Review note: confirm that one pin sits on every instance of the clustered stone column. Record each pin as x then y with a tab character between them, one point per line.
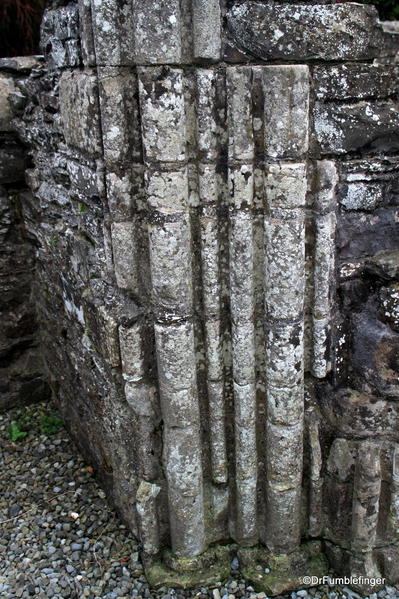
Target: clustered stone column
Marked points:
218	281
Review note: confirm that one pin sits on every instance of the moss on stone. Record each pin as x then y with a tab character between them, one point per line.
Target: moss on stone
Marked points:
208	568
286	571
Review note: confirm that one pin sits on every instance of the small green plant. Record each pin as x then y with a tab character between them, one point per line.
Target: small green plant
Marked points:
15	433
82	208
50	424
53	240
23	421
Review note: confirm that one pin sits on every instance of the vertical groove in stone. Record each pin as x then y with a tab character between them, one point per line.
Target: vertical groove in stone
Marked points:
315	527
324	264
206	29
161	93
242	303
394	504
366	496
286	138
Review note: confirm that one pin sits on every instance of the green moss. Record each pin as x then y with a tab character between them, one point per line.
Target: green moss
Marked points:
178	572
286	571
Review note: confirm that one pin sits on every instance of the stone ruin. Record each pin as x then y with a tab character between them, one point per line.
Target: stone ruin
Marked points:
201	262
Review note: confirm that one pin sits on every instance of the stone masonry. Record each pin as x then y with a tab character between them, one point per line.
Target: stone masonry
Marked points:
217	284
21	365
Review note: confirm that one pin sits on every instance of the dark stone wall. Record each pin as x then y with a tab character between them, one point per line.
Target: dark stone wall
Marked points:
21	364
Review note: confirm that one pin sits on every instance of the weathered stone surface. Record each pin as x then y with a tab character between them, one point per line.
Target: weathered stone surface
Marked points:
162	113
207	29
362	127
284	281
354	81
119	117
367	234
286	93
124	242
306	32
6	88
79	111
171	266
59	36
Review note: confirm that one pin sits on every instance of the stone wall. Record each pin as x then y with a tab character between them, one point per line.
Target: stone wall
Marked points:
217	284
21	365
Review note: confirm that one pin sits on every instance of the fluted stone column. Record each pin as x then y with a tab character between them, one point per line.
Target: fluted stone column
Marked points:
211	161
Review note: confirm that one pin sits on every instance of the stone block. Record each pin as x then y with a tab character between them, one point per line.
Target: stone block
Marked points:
371	233
241	186
157	30
326	176
84	178
214	350
210	185
124	249
86	33
207	29
163	114
177	368
239	113
285	268
59	36
284	355
119	116
183	469
241	268
113	33
362	196
167	192
171	266
132	351
362	127
246	462
306	31
283	507
285	406
80	112
210	262
125	193
354	81
284	455
207	84
6	88
146	505
286	185
286	110
243	348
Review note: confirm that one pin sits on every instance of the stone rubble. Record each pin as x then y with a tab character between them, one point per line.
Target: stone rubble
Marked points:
60	539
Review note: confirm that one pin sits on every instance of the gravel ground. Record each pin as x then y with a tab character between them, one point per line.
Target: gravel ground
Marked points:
59	538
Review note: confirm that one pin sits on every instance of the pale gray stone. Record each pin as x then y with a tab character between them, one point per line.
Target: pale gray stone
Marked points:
171	266
6	88
79	111
286	117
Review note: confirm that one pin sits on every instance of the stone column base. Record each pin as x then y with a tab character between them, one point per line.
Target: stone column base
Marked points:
276	574
283	572
211	567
